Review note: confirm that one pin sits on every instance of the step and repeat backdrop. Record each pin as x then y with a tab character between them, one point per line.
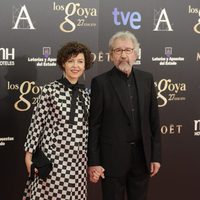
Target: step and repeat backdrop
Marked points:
31	32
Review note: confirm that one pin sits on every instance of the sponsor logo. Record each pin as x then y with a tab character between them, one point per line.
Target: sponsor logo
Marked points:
7	57
132	19
168	59
102	56
138	61
197	127
198	56
4	140
161	21
46	51
171	129
46	60
21	18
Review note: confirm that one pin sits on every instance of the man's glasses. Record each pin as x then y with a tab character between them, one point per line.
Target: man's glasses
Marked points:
119	51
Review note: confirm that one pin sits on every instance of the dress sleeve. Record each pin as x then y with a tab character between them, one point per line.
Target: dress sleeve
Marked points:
37	124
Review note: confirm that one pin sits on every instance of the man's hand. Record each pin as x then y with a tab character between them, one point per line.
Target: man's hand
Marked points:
155	166
95	172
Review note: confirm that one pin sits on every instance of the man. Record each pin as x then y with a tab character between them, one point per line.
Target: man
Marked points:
124	139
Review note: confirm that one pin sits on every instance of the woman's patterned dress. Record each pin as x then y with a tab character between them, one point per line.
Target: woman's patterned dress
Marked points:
59	126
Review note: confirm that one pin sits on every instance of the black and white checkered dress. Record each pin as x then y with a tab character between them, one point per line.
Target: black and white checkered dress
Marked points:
61	130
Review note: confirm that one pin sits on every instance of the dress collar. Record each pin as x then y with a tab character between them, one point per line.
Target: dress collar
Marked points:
67	84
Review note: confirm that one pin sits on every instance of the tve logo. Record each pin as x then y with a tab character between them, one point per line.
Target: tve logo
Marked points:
127	18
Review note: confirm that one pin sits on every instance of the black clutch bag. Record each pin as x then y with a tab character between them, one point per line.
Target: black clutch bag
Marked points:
41	163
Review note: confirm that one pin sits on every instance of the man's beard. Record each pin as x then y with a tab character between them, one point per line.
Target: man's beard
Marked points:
125	67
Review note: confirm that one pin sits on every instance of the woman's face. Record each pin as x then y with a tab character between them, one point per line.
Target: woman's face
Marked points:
74	67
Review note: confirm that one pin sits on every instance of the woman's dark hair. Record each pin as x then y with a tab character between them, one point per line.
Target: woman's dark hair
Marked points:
73	49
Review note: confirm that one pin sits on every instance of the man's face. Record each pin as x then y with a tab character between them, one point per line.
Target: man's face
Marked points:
120	57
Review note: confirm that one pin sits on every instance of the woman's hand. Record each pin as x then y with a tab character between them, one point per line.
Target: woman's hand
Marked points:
28	161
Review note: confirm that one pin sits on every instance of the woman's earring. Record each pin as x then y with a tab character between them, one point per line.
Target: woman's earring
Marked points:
84	76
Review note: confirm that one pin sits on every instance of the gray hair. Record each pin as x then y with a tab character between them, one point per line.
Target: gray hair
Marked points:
124	35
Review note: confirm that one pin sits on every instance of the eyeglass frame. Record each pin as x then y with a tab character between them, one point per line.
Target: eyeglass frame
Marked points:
123	50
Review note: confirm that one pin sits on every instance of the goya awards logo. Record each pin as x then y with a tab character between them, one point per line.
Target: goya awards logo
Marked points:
169	91
46	60
7	57
28	93
195	11
77	16
168	59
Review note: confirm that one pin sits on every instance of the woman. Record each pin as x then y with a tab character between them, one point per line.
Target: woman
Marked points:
59	126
